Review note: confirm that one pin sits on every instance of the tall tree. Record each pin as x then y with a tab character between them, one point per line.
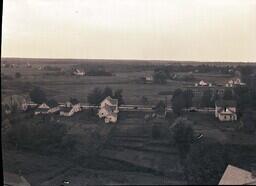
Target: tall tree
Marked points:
107	92
118	95
37	95
188	96
228	94
206	100
205	164
160	77
183	134
178	102
95	97
160	108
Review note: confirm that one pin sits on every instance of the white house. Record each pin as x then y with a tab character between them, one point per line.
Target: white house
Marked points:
108	110
203	83
149	78
42	109
225	110
237	176
78	72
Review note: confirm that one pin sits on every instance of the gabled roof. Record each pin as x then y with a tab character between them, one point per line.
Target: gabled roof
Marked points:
112	101
236	176
225	103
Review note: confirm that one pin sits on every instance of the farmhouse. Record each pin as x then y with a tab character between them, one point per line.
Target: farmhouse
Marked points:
109	109
225	110
203	83
236	176
42	109
78	72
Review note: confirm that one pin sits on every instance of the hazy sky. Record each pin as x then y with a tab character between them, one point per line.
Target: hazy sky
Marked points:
205	30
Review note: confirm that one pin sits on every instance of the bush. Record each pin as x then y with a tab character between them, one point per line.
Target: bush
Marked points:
17	75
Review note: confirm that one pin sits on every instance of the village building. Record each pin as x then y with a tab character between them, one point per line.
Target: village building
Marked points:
54	107
237	176
42	109
225	110
148	79
11	179
78	72
203	83
108	110
234	82
70	108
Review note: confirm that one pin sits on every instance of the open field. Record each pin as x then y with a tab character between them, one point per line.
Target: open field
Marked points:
62	86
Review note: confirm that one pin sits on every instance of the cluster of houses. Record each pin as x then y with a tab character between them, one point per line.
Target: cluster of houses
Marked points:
108	109
68	109
234	82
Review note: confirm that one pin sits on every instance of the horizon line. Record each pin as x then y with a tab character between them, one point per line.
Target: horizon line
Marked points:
128	59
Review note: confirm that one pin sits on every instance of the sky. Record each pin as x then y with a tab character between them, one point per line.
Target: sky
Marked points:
194	30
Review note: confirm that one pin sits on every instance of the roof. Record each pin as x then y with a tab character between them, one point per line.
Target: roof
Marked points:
14	179
236	176
112	101
225	103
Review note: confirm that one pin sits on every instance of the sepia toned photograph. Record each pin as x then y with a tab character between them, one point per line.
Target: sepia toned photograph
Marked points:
128	92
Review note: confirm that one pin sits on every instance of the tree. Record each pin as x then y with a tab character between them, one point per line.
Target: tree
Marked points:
144	100
17	75
178	102
188	96
37	95
160	77
95	97
183	134
107	92
205	164
247	123
228	94
206	100
160	108
52	103
118	95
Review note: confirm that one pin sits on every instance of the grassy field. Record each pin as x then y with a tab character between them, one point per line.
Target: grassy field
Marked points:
62	86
